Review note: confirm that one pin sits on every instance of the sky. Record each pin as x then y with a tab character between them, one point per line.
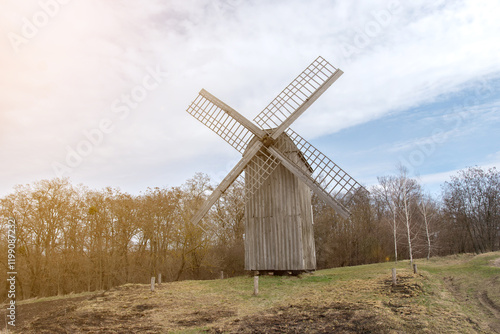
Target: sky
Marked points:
97	91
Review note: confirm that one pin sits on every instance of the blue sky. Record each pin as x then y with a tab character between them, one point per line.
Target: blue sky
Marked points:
432	140
97	90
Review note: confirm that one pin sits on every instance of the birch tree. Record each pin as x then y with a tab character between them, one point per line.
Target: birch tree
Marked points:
387	193
428	210
410	194
400	196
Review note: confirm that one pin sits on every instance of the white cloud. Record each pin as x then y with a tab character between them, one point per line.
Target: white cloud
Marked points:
64	80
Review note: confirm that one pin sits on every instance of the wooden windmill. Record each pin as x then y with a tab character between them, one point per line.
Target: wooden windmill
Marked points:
280	169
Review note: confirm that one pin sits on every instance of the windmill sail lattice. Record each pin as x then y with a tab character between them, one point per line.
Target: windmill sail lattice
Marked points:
280	166
220	122
295	94
326	173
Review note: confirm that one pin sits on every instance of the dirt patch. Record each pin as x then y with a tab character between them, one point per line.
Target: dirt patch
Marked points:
26	312
496	263
333	318
127	309
202	318
78	320
407	286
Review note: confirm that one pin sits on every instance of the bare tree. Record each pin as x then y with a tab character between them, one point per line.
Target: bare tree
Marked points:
428	210
471	204
388	194
407	190
400	196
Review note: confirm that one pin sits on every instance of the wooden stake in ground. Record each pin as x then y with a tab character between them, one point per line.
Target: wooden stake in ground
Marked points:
393	276
415	271
256	285
159	278
152	284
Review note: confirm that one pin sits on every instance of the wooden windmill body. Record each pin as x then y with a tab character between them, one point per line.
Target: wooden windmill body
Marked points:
281	168
279	233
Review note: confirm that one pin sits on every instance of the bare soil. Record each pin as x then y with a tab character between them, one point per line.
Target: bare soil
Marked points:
27	312
332	318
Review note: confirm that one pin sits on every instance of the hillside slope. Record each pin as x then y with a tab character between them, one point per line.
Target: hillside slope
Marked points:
458	294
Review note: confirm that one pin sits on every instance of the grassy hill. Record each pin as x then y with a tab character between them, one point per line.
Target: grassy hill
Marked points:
455	294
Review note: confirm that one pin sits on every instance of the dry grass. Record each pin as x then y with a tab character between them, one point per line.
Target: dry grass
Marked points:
344	300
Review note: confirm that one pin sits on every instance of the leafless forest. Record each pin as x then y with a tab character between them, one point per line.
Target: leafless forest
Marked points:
71	238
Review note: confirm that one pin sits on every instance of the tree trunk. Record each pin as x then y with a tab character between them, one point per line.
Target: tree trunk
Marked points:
407	220
395	236
426	222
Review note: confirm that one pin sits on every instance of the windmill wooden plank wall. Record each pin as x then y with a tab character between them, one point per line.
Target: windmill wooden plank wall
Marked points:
280	170
279	231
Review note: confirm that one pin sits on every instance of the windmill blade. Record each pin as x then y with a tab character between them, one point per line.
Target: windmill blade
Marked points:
325	173
230	125
228	207
228	180
304	177
298	96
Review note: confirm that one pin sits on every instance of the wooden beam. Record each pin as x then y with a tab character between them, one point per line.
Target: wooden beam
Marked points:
234	114
303	107
304	177
228	180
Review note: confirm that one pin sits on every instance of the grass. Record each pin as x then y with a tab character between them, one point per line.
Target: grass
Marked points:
472	280
458	294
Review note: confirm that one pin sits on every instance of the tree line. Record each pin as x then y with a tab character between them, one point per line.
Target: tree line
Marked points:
71	238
